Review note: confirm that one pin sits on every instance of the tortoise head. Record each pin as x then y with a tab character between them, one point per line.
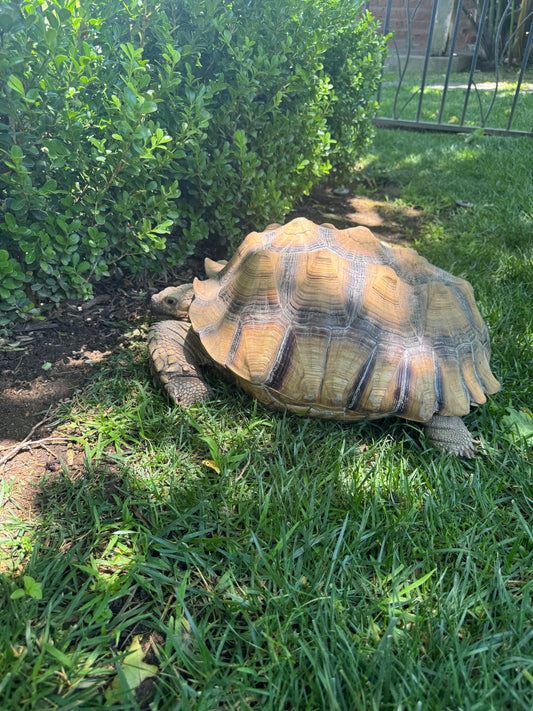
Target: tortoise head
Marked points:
173	302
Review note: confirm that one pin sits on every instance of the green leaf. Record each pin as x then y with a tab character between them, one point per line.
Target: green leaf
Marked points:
10	220
239	138
62	225
130	97
14	83
128	50
519	423
149	107
60	656
163	228
56	148
49	186
33	588
18	205
16	152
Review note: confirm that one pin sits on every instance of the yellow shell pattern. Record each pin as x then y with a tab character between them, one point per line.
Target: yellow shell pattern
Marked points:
334	323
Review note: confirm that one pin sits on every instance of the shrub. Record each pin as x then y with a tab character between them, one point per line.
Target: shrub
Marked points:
131	131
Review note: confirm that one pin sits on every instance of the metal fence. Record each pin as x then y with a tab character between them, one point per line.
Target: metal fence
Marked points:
457	65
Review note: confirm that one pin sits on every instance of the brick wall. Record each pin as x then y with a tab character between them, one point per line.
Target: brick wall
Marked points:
420	16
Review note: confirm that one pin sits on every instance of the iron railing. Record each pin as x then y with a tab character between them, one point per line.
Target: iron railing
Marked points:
494	93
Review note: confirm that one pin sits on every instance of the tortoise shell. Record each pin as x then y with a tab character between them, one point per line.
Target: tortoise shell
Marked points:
334	323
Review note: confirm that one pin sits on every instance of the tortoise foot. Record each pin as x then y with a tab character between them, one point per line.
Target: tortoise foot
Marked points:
186	391
451	435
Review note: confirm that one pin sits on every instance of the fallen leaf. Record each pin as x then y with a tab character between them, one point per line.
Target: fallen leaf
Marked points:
71	454
134	672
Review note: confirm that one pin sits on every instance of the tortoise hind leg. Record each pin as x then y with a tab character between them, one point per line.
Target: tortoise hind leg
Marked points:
175	361
451	435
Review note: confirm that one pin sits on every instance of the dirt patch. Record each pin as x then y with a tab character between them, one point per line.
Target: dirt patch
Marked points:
388	221
48	361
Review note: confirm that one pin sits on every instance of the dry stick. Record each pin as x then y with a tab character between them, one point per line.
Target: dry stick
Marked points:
26	443
245	467
23	445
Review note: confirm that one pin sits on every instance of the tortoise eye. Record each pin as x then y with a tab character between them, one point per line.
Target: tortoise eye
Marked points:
171	301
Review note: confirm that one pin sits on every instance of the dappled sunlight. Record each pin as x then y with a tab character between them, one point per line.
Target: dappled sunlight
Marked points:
226	556
363	203
19	404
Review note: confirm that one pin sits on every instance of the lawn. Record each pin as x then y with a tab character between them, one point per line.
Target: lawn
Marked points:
490	98
233	558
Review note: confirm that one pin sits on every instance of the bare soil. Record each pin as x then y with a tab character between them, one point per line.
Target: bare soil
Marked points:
46	362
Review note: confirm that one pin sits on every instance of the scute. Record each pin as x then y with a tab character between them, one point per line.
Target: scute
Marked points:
335	323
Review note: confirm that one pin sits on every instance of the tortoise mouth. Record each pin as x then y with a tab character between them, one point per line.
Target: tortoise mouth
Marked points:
154	306
158	312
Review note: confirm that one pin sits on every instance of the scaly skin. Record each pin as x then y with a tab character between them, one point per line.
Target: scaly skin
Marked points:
451	435
175	358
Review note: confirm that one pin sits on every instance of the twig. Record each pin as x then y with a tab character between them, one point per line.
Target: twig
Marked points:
244	468
26	443
37	442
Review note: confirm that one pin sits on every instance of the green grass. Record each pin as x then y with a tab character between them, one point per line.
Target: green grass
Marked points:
269	561
482	110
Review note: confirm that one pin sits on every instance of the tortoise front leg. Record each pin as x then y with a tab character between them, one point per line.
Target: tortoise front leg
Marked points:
175	360
451	434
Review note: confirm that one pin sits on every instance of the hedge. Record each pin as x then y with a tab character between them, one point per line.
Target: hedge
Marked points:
131	131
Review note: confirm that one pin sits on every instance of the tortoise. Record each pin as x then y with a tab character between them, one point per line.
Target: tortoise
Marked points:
330	323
